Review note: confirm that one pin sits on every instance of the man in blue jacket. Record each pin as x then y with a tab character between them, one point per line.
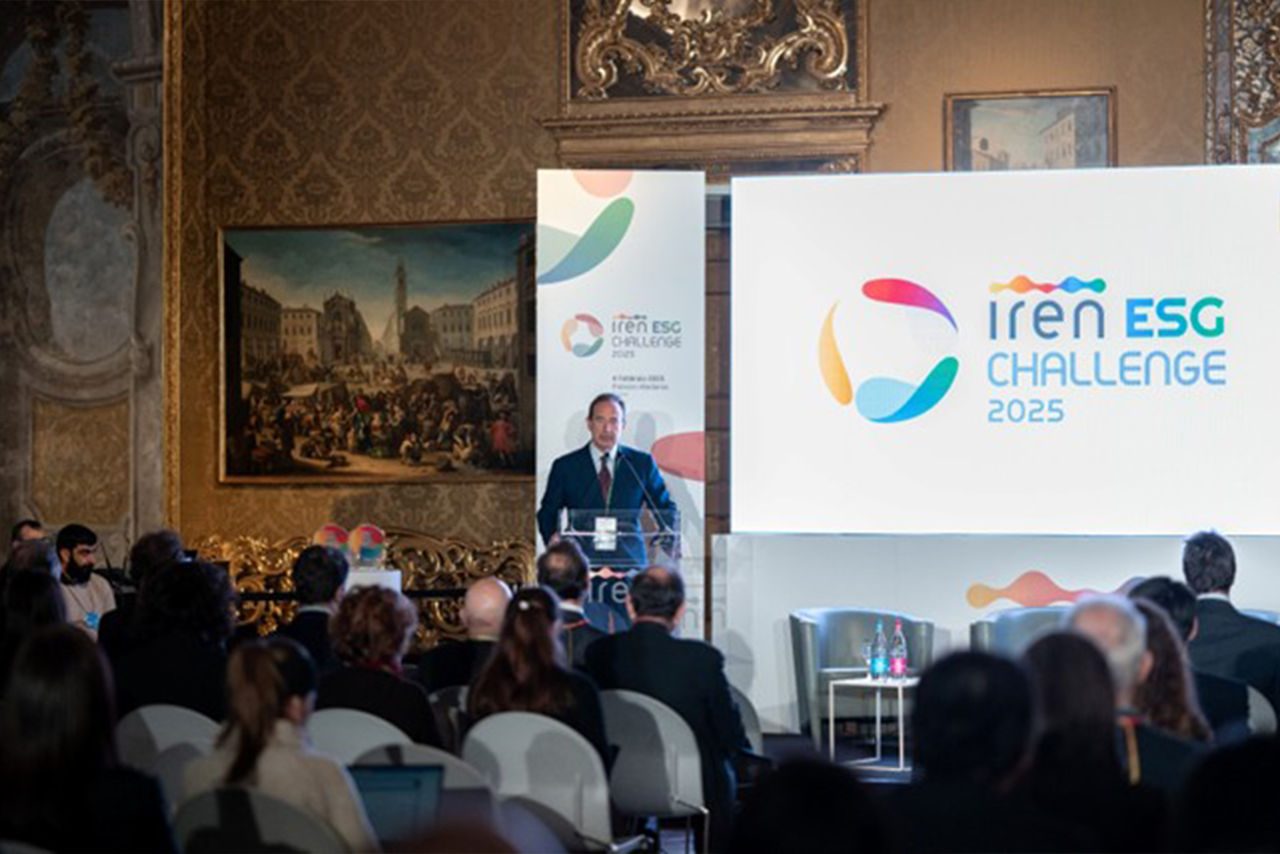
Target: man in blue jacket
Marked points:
612	481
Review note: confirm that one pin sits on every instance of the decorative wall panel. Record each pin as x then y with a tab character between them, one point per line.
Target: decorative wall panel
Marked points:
295	113
80	462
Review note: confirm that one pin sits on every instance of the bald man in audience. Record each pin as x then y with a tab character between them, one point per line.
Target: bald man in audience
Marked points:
1151	756
451	664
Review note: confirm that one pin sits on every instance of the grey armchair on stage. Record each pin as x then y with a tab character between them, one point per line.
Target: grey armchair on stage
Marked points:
827	645
1012	630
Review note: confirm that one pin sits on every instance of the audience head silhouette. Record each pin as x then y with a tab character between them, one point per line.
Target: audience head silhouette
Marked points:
373	627
188	597
1077	702
657	595
153	551
1209	563
485	607
525	672
267	681
32	600
34	556
1167	695
562	568
1120	631
1174	598
26	529
973	719
1229	801
319	574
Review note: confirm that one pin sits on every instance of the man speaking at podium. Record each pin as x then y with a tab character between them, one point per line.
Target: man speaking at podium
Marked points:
612	480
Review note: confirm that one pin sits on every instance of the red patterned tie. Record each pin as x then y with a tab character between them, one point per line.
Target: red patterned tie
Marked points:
606	479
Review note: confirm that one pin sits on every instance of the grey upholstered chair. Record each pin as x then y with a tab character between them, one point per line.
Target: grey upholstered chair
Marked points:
1011	630
827	645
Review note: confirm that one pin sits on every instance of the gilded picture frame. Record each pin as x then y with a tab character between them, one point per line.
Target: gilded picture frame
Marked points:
1036	129
377	353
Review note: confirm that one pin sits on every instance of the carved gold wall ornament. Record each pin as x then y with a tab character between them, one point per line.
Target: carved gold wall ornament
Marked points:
718	52
426	563
1242	81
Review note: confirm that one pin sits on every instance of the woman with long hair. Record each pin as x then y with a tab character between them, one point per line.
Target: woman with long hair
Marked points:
527	671
1167	697
370	634
1075	772
61	787
32	601
271	687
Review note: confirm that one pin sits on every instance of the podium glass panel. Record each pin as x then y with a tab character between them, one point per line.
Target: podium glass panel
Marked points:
624	540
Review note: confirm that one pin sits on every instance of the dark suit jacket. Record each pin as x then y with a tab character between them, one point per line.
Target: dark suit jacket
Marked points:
453	663
1225	703
578	634
1164	761
395	700
311	629
116	635
574	485
687	675
1233	645
178	668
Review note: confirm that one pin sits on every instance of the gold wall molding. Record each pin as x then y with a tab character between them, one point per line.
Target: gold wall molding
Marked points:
426	562
1242	80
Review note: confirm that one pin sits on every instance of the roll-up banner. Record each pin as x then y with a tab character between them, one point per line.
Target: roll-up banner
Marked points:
621	308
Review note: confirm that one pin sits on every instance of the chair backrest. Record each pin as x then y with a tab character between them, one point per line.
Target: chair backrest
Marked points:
658	769
547	765
750	720
347	734
239	819
1262	717
1258	613
168	769
1015	629
449	706
143	734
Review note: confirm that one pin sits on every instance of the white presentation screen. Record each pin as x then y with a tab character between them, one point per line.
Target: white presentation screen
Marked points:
1071	352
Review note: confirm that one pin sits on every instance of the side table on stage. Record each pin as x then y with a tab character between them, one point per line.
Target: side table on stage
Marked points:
866	683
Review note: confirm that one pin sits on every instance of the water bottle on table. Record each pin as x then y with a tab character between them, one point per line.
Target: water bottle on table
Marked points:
898	651
879	652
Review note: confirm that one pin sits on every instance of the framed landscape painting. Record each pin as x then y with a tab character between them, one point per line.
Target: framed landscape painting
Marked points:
1050	129
377	353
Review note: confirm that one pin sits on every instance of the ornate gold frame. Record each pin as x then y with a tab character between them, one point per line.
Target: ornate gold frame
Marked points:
426	563
949	100
1242	77
722	123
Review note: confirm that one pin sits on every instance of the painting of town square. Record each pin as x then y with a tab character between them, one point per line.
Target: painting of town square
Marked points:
995	131
378	353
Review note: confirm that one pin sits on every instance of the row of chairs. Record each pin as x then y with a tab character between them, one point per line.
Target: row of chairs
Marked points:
515	759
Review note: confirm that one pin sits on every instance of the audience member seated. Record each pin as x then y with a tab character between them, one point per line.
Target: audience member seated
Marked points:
1225	702
87	596
271	687
32	600
185	615
116	631
1150	755
1167	698
370	634
687	675
1228	643
60	786
972	726
34	556
452	664
1075	772
811	806
24	530
563	569
1229	804
527	672
319	574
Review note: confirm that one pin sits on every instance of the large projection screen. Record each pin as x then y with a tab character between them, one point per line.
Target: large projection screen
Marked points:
1062	352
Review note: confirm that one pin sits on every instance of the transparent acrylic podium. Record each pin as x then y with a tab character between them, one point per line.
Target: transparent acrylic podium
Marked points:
624	540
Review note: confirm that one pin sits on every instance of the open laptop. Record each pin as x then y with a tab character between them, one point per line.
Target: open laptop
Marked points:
401	801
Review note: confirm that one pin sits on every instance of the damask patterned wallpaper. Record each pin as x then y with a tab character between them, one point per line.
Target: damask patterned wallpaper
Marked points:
294	113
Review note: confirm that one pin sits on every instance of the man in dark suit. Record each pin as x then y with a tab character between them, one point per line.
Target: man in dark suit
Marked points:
319	575
612	481
687	675
456	663
1228	643
563	569
1150	756
1225	702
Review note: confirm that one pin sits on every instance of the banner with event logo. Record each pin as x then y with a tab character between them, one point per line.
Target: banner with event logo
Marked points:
621	306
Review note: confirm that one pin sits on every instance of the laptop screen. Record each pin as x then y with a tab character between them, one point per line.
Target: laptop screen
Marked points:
400	800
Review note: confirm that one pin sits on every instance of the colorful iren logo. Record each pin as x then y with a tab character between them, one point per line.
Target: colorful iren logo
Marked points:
886	400
1021	284
594	329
